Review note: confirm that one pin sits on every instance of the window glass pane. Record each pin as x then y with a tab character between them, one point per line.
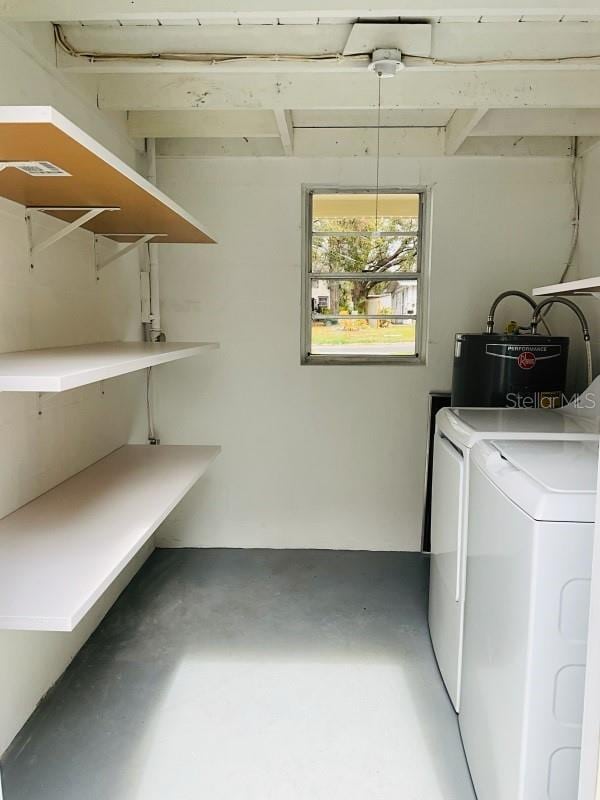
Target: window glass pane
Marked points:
363	274
356	336
365	297
365	212
341	323
333	253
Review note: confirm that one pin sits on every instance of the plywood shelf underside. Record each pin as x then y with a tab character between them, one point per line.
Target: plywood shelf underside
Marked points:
98	179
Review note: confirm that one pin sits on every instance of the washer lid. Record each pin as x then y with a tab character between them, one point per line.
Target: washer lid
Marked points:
549	480
465	426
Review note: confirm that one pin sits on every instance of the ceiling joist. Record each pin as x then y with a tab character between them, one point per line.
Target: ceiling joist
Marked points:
460	127
76	10
286	130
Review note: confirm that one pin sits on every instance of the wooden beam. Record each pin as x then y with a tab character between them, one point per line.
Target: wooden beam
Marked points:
461	125
202	124
450	42
362	143
514	146
464	90
52	10
286	130
211	148
535	122
313	142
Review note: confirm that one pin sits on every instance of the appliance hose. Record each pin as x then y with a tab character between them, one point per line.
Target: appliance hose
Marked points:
588	353
510	293
549	301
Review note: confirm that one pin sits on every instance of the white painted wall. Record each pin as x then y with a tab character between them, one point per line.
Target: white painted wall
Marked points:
329	457
59	303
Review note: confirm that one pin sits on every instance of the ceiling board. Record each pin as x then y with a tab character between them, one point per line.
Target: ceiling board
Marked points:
50	10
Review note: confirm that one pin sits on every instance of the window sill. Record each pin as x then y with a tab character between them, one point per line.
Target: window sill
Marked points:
331	360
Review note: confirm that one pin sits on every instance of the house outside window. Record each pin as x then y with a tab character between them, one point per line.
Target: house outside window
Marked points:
362	280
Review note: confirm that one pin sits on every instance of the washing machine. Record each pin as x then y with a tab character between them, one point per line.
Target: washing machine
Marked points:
529	556
457	430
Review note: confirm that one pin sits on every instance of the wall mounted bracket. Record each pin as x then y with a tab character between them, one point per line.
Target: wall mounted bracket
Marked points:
87	213
142	238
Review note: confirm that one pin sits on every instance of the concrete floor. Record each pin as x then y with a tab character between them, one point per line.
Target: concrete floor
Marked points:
251	675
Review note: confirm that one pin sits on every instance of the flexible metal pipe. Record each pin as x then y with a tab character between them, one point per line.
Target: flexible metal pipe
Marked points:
510	293
549	301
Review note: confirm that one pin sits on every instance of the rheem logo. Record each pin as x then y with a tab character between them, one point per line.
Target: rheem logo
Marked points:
526	360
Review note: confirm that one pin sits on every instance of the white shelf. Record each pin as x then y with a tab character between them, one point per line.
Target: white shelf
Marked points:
60	368
95	178
585	286
59	553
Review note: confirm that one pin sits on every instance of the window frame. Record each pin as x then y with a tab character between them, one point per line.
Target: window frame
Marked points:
420	276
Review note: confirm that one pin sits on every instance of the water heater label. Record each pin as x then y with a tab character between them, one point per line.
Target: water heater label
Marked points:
526	360
526	355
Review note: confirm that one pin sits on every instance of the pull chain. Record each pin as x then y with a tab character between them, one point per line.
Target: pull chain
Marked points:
378	153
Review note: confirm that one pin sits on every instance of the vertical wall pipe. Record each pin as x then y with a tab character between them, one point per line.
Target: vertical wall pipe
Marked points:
153	253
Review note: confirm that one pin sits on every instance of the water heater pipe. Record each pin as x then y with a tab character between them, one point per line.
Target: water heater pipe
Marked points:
511	293
549	301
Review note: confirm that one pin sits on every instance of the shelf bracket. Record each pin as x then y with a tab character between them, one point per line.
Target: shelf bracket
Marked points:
88	213
127	248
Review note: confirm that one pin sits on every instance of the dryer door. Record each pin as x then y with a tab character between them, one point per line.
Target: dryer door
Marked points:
445	590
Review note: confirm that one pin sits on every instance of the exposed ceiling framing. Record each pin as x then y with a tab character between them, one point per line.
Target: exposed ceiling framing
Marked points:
342	47
277	79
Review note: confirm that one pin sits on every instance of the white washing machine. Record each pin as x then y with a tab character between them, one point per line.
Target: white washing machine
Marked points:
529	556
457	430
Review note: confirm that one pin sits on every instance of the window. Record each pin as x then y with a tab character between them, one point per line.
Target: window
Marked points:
362	292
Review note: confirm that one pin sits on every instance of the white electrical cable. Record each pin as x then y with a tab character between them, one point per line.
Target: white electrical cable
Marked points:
576	211
208	58
575	225
149	414
222	58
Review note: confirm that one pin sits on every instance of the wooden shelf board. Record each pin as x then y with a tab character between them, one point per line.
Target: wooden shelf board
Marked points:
584	286
60	368
98	179
59	553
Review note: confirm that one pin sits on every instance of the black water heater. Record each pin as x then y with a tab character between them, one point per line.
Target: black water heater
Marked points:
509	370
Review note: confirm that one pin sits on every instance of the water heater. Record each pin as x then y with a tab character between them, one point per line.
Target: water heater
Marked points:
509	370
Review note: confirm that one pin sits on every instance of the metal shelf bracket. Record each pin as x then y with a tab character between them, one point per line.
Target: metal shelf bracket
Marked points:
87	213
142	239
